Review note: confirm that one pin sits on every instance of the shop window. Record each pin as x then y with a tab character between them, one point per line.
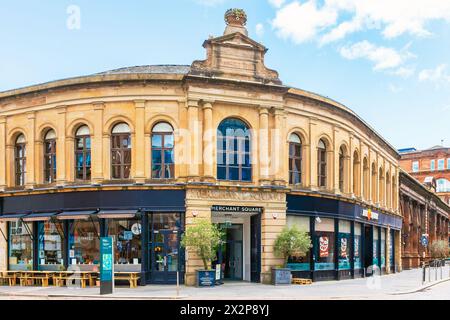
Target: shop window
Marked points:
20	160
357	247
233	151
392	250
375	247
344	243
162	151
165	241
299	263
83	153
50	246
295	159
20	245
322	164
383	248
120	151
84	244
50	157
127	239
324	238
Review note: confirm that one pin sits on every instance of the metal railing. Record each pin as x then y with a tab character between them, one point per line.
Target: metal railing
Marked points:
435	270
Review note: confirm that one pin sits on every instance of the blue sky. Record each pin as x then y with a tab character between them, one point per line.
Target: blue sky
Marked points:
389	61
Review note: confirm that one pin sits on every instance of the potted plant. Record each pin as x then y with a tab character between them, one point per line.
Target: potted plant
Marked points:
204	238
289	242
439	252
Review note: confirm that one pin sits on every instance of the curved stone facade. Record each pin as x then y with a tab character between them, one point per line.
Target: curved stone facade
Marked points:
360	167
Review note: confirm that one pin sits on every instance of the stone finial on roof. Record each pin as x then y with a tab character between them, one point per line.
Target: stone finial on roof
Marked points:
236	19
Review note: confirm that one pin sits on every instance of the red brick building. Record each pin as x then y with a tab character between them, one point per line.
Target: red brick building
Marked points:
430	166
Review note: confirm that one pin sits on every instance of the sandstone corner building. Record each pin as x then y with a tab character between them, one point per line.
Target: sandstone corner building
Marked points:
143	153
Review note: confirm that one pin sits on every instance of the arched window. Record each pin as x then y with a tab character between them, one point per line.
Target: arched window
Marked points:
356	174
365	185
20	159
50	156
374	183
233	151
381	188
83	153
388	190
120	151
341	168
295	159
162	151
322	164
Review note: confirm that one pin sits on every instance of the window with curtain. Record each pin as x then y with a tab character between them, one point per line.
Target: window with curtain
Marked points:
83	153
121	151
50	156
162	151
233	151
295	159
20	160
322	164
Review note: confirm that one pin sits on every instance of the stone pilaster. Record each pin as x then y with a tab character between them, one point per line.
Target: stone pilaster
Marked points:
2	153
194	146
263	146
97	144
209	147
140	145
61	147
30	152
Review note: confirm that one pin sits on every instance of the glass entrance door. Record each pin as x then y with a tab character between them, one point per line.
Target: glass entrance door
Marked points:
232	253
164	256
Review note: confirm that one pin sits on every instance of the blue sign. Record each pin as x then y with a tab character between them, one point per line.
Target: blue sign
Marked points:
106	259
424	240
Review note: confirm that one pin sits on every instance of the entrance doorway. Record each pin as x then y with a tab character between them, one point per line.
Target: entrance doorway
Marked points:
368	250
165	256
231	252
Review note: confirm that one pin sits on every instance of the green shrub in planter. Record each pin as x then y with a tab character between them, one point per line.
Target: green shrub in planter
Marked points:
204	237
289	242
439	251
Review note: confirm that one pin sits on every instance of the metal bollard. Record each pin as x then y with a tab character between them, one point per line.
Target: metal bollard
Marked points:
178	283
423	273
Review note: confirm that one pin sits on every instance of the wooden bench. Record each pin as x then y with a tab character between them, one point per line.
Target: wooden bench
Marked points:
11	279
301	281
83	276
30	280
131	277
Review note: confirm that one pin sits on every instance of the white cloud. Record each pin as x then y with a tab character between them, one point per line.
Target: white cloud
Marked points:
437	75
307	20
259	29
302	22
276	3
394	89
383	58
404	72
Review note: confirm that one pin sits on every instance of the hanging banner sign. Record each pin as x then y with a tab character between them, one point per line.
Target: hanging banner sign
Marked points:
343	247
323	247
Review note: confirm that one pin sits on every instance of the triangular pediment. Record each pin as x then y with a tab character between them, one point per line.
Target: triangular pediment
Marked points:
235	56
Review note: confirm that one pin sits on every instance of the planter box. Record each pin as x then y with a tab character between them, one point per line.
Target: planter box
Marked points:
281	276
206	278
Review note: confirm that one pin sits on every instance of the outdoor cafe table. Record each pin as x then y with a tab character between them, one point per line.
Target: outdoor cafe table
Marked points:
131	277
83	276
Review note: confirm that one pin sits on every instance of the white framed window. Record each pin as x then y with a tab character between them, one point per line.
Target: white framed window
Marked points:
442	185
441	163
448	163
415	166
432	165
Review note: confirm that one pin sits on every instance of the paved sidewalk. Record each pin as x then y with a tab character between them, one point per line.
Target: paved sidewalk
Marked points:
384	287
